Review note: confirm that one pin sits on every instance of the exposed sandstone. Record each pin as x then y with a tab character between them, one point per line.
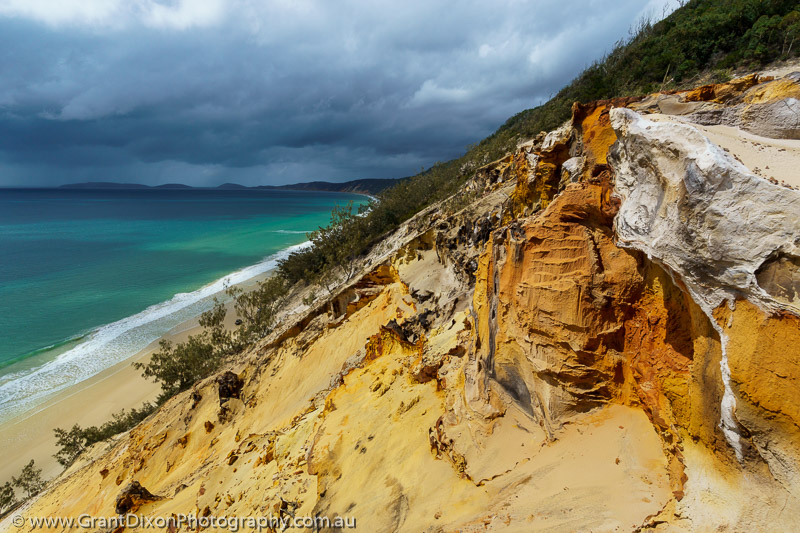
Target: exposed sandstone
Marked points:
133	496
769	107
723	92
693	207
730	238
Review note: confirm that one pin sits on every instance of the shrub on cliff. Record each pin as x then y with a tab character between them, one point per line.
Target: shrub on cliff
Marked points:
333	256
257	310
30	480
73	442
7	498
334	249
178	366
70	444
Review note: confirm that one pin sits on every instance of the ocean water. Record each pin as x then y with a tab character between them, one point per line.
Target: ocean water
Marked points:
90	277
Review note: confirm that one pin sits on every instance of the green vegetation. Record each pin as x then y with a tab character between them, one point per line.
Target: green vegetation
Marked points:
702	37
71	443
178	366
29	481
7	498
258	310
332	258
334	250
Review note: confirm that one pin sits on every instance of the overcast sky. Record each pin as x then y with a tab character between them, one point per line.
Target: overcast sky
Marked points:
270	92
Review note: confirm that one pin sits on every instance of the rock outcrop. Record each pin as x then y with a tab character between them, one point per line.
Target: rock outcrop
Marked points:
132	497
693	207
757	104
604	338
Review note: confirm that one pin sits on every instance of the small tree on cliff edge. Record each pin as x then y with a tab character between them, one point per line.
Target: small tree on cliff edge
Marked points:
178	366
30	480
258	309
71	444
338	245
7	498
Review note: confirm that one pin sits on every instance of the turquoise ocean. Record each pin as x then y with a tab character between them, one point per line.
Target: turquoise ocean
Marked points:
88	278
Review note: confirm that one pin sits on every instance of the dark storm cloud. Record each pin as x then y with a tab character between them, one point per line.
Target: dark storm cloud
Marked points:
209	91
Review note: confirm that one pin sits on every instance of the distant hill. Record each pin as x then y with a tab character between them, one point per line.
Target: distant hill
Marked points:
104	185
173	186
365	186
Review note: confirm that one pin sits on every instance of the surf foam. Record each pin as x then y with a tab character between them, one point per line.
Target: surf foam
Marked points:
25	391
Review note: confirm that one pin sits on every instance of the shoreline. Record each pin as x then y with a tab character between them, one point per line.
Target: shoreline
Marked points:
117	341
91	402
29	434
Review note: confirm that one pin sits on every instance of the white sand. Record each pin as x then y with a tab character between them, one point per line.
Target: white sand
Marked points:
765	157
770	158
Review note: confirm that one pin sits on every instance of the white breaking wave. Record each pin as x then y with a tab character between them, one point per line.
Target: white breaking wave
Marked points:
108	345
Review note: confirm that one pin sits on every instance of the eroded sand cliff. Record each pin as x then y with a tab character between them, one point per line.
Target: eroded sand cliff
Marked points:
604	337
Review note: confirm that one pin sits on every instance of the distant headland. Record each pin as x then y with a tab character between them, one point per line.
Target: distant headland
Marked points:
362	186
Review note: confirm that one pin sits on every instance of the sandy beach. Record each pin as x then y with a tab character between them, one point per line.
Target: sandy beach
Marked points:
88	403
